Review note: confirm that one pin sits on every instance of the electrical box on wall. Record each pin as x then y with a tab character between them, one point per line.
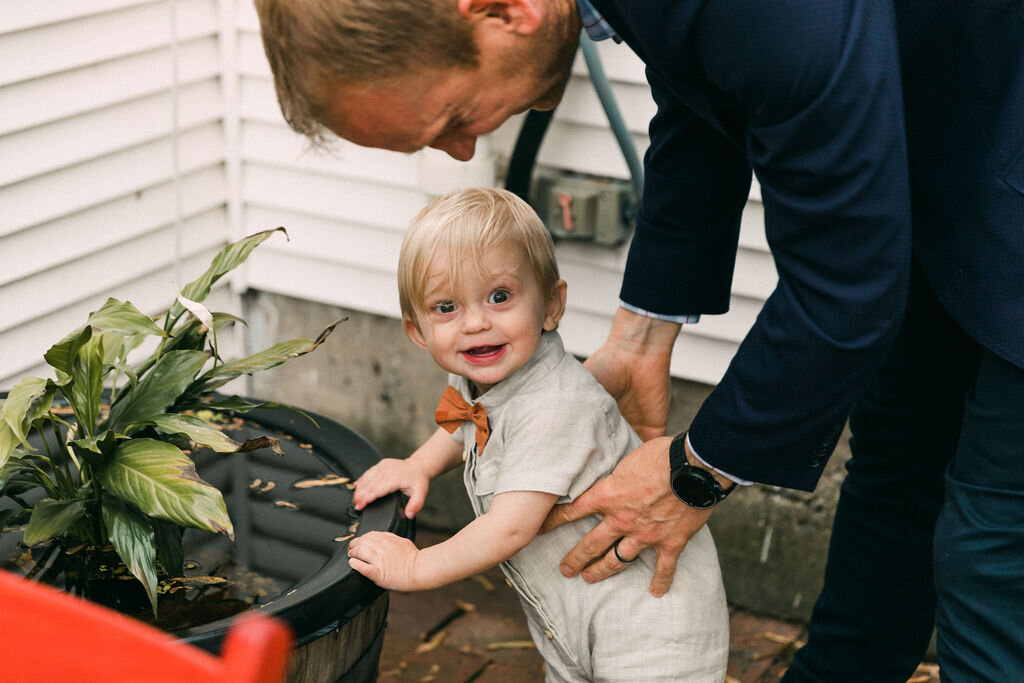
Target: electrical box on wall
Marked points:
584	208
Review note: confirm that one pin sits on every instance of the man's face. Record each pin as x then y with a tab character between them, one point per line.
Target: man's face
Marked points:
448	110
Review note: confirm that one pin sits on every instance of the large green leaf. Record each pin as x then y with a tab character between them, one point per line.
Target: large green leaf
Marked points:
29	400
268	358
227	260
17	475
123	317
7	443
165	381
86	394
199	430
133	540
161	481
61	355
168	546
51	518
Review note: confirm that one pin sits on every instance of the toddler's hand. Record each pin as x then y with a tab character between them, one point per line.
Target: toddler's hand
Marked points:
386	559
388	476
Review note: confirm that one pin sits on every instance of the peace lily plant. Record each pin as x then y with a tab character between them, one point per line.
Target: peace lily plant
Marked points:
110	460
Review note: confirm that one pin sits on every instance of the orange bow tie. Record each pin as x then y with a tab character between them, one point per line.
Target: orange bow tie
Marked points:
453	410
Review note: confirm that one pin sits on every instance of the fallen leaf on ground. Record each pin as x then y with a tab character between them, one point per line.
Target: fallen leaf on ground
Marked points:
483	581
465	606
286	504
340	539
777	638
431	644
256	483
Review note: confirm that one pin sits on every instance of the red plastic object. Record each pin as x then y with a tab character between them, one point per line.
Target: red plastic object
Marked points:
47	635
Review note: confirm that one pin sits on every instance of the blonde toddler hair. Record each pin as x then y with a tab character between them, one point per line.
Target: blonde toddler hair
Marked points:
463	226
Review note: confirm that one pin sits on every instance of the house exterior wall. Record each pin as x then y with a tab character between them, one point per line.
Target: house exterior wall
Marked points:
102	192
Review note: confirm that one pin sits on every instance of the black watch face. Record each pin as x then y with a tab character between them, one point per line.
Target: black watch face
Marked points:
691	486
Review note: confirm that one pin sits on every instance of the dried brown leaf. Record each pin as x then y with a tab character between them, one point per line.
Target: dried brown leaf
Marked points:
341	539
433	643
327	480
484	582
465	606
286	504
256	483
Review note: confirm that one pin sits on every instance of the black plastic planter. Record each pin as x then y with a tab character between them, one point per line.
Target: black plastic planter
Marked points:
296	539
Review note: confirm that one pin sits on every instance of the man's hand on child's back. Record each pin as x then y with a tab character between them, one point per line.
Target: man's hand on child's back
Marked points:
637	506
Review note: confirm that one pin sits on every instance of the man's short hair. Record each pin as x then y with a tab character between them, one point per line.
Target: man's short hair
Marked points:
314	44
464	226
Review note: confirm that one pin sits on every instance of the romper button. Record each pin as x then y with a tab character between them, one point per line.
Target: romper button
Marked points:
465	454
548	634
508	582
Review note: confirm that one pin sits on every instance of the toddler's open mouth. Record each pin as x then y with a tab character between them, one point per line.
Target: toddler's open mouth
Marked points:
484	350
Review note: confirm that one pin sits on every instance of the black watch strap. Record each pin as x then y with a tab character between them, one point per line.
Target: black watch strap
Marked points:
695	486
677	452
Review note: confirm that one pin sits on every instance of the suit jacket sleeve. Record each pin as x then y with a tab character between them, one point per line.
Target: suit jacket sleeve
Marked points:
808	96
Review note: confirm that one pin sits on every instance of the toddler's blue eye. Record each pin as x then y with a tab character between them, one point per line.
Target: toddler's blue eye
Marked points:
498	296
445	307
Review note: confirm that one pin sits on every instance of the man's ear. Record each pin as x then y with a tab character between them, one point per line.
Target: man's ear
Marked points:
518	16
555	305
414	333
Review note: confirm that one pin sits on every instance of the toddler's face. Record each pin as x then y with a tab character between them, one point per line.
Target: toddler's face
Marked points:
490	326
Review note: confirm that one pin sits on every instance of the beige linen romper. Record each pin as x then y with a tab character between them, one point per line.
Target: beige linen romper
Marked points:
555	429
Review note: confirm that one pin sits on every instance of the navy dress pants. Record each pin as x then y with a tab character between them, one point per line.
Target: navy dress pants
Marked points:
930	519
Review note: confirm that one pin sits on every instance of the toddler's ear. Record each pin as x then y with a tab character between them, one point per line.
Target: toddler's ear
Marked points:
554	307
414	333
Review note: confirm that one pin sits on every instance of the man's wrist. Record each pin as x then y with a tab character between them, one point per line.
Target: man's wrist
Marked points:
694	482
725	482
643	331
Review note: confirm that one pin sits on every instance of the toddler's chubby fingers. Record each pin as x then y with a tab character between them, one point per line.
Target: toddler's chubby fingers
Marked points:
369	487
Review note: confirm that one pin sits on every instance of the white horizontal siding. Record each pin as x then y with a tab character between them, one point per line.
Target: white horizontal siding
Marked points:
94	38
61	192
73	140
89	204
122	219
61	95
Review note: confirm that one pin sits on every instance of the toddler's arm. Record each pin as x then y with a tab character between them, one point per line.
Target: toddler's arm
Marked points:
411	476
395	563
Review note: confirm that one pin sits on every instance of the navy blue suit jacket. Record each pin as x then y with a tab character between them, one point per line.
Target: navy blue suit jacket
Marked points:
808	96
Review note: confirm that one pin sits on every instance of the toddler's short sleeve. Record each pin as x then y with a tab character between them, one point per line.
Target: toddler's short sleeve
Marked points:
562	447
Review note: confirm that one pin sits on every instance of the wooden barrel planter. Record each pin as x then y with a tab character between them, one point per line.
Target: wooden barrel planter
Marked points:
293	518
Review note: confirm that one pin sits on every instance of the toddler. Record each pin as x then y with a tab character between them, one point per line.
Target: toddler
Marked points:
480	291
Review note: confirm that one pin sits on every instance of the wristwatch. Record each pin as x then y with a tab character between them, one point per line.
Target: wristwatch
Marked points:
693	485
